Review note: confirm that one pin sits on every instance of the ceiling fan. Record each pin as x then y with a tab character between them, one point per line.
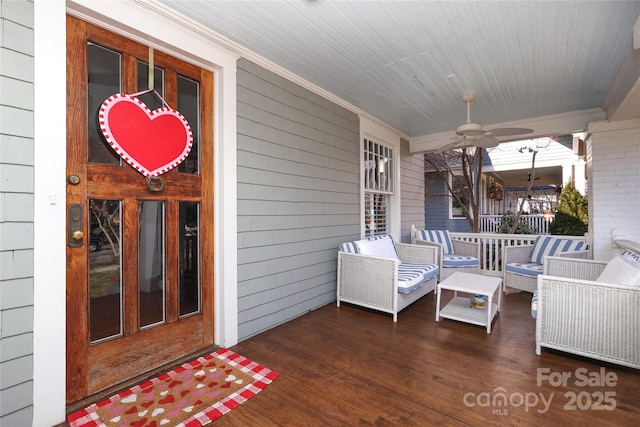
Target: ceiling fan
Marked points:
472	134
529	178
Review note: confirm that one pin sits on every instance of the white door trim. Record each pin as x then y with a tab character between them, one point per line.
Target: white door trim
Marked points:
157	27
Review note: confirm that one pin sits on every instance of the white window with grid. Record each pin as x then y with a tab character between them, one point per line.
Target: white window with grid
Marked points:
378	187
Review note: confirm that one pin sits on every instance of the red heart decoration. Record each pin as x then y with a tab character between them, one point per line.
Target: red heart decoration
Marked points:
153	142
168	399
139	423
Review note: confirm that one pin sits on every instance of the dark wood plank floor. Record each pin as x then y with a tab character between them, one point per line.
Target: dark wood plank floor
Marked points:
351	366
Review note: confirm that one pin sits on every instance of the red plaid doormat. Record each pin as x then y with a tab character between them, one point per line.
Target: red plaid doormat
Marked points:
192	395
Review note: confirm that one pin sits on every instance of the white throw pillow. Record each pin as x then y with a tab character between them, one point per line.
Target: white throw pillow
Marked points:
622	270
382	247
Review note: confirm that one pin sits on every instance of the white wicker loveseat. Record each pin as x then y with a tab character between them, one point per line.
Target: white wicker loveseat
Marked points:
453	255
579	315
378	274
522	264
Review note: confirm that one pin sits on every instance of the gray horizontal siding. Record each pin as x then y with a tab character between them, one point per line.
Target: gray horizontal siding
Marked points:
412	192
16	212
298	197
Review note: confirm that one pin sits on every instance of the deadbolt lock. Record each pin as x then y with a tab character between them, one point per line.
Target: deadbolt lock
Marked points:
75	225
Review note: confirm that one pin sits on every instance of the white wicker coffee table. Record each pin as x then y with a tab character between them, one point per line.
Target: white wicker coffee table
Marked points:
460	308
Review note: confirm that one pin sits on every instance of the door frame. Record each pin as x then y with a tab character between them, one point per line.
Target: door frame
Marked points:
96	365
176	36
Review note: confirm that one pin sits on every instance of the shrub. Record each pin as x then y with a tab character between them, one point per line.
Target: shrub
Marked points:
507	221
572	215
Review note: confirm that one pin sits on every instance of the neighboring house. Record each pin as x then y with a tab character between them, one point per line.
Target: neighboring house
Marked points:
287	170
505	174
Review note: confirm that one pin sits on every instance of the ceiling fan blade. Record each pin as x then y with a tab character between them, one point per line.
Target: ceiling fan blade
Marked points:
474	135
509	131
449	146
485	142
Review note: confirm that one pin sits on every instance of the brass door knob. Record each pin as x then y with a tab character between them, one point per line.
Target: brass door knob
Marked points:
77	235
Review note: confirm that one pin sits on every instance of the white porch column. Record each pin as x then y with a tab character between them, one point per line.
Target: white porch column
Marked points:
579	171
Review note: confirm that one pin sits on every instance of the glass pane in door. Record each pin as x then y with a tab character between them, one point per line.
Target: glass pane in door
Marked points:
151	279
105	270
150	99
189	107
104	67
189	258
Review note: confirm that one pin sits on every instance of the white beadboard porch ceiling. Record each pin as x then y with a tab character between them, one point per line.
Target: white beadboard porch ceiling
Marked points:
408	63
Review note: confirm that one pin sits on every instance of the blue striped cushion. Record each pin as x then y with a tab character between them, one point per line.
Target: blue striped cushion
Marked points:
438	236
349	247
459	261
534	304
411	275
378	237
551	246
531	270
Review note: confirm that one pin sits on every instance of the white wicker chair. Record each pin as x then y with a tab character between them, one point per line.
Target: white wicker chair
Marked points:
461	248
520	255
578	315
372	282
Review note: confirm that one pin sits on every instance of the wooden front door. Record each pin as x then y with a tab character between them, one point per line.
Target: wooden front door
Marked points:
139	257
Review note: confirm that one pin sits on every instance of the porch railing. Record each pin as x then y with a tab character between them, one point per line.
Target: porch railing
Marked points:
538	222
491	245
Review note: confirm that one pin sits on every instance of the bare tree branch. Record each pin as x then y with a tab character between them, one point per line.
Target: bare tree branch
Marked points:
468	161
532	176
107	217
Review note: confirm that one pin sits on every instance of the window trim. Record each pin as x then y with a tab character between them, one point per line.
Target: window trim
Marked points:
382	135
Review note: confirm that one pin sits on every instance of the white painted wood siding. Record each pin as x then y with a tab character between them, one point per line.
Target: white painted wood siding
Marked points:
298	197
614	185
